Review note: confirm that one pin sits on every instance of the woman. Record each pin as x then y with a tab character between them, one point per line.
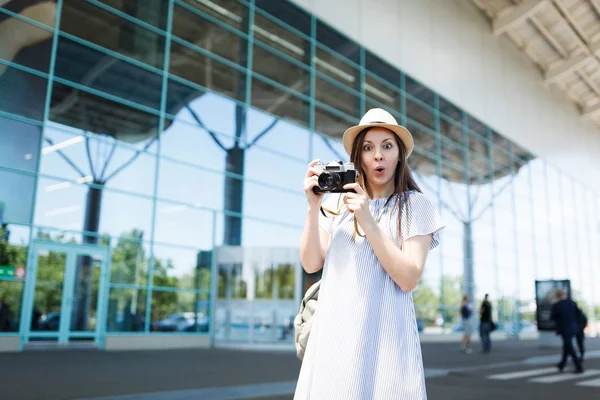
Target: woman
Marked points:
466	310
364	342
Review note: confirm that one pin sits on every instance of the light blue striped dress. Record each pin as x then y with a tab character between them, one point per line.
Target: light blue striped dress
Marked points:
364	342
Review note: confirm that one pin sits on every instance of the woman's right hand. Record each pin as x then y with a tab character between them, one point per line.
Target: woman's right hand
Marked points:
310	181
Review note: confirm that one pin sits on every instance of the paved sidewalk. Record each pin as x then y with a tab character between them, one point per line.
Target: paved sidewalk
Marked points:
66	375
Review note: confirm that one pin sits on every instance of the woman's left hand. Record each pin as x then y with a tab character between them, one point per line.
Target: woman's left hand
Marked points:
357	203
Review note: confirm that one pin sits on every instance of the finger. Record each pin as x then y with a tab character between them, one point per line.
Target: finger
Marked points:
314	171
311	183
355	186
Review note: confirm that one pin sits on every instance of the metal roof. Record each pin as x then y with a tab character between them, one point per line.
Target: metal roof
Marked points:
561	37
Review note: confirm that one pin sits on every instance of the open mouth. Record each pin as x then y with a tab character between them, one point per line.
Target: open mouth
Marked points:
380	169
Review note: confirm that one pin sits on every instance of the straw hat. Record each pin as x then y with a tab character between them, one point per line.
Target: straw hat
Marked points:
381	118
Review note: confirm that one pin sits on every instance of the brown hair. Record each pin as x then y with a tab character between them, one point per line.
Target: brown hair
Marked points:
403	179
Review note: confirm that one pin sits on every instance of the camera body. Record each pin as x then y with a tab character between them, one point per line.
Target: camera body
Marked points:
334	176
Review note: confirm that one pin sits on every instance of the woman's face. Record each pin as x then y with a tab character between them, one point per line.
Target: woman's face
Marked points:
379	156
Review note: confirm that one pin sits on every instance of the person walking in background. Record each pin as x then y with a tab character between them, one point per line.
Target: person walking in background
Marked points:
565	316
485	324
466	311
580	335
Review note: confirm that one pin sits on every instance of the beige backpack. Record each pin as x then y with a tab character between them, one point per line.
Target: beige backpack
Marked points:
303	321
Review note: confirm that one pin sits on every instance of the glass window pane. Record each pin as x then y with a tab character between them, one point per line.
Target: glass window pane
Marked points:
64	207
22	93
183	268
328	149
336	68
337	42
153	12
280	70
338	98
282	138
34	50
97	159
102	116
330	124
450	110
207	72
382	69
274	35
19	144
126	310
230	12
13	253
189	184
278	102
95	25
418	91
183	225
419	113
97	70
130	255
179	311
287	12
207	35
16	196
453	153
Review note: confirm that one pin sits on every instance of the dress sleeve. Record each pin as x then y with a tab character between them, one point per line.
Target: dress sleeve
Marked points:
422	219
331	203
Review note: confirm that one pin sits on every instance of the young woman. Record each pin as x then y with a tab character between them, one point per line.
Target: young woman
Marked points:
466	310
372	246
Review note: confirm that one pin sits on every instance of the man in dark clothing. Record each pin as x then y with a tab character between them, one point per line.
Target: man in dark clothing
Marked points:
485	324
564	315
580	335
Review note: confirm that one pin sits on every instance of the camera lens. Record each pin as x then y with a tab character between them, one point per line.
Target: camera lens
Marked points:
329	180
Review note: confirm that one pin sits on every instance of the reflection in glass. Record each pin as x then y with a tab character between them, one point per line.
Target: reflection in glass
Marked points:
19	144
337	42
16	194
10	304
279	102
93	24
48	295
85	293
287	12
182	268
126	310
23	94
179	312
97	70
281	71
151	11
338	98
130	259
23	43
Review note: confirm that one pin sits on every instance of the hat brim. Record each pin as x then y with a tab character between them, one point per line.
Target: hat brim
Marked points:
403	133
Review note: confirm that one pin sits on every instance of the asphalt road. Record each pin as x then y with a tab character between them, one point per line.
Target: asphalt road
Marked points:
70	375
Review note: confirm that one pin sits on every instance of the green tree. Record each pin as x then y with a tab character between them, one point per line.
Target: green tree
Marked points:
11	290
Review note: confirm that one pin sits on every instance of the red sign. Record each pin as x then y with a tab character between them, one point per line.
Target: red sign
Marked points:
20	272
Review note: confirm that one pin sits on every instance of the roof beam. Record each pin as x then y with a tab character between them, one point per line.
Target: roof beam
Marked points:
517	15
565	68
571	64
588	111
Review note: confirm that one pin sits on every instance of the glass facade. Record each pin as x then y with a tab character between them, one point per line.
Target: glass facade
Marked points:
176	133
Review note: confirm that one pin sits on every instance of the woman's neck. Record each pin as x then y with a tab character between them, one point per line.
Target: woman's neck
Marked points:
382	192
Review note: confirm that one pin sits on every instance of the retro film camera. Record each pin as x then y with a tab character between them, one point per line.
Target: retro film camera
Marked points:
334	176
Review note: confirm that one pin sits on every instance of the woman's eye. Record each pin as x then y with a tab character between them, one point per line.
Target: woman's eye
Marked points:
388	146
367	148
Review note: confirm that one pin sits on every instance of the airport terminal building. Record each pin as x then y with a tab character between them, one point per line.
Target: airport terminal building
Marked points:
152	154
